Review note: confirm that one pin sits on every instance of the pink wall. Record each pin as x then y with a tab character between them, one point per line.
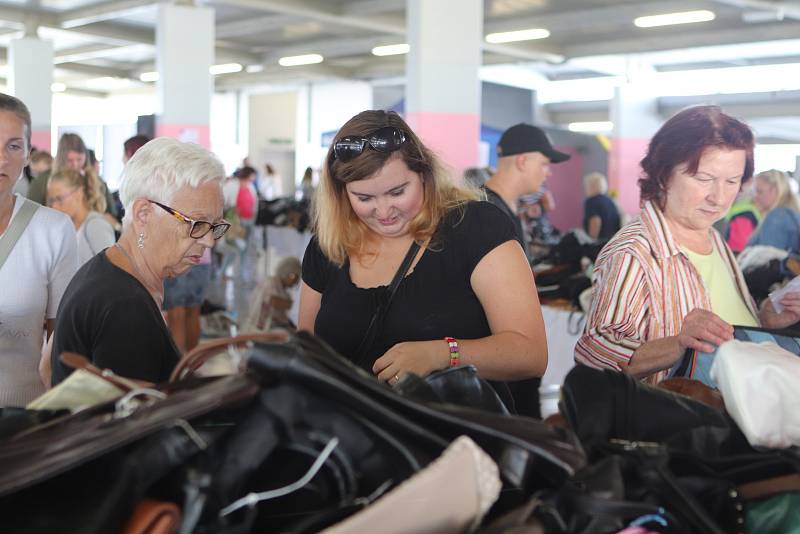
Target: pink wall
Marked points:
566	185
188	133
41	139
453	136
624	171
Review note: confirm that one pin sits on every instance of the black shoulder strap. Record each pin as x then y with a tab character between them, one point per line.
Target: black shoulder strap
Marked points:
376	324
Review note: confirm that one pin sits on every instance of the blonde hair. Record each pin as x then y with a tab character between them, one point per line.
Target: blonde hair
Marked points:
780	181
339	231
94	197
72	142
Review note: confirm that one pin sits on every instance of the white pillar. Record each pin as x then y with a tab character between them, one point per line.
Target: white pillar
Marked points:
634	112
185	51
30	62
443	90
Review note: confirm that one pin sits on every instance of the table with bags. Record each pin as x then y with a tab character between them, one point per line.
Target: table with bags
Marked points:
300	440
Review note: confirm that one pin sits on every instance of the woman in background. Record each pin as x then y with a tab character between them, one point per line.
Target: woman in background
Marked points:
75	194
72	154
780	227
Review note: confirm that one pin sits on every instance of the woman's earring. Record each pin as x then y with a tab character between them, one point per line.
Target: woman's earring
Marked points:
140	241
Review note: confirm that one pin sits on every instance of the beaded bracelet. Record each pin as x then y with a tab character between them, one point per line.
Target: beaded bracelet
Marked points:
455	356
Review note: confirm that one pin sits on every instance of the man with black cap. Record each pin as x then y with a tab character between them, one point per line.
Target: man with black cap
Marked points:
524	157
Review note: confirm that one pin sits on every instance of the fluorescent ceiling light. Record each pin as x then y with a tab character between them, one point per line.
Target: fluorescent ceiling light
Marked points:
58	87
252	69
294	61
149	76
667	19
591	127
391	50
225	68
520	35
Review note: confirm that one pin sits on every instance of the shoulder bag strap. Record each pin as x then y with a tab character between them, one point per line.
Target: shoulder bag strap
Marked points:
16	228
376	324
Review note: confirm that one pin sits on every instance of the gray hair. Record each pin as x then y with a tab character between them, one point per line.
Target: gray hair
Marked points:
161	167
595	183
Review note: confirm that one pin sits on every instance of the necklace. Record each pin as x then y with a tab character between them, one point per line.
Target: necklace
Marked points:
137	273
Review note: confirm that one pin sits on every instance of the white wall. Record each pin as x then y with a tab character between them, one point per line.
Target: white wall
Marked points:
272	134
325	107
224	131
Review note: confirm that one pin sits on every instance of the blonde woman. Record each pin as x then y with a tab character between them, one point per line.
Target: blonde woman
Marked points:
77	195
72	154
469	289
778	205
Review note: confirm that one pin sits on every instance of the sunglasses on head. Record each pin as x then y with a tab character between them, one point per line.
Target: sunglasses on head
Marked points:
386	139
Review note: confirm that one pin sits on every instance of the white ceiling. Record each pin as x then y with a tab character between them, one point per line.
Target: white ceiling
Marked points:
97	42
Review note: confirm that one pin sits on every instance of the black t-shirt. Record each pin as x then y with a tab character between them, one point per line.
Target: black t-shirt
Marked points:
433	301
602	206
109	317
525	392
497	200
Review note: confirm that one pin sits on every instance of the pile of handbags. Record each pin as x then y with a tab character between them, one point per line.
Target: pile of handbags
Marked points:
303	441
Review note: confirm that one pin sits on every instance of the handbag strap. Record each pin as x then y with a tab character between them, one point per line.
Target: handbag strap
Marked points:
376	324
16	228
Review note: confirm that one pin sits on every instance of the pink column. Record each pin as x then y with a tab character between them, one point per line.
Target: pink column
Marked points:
187	133
566	185
41	139
453	136
624	171
443	90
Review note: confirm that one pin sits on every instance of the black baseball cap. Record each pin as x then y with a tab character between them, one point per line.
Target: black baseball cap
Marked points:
522	138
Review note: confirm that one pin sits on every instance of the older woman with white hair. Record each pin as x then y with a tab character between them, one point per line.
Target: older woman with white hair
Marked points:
111	311
601	218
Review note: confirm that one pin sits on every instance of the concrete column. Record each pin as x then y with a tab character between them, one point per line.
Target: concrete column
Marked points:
443	90
185	51
635	117
30	62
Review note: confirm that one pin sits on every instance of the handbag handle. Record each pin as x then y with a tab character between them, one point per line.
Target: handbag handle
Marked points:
195	358
376	324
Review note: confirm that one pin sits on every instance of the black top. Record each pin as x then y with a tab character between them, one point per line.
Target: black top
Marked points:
602	206
497	200
433	301
525	392
109	317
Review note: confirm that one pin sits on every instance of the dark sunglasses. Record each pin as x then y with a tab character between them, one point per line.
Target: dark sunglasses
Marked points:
386	139
198	228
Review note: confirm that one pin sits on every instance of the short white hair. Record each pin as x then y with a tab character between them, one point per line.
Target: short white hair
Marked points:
595	183
161	167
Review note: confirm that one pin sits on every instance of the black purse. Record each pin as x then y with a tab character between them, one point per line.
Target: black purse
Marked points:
455	385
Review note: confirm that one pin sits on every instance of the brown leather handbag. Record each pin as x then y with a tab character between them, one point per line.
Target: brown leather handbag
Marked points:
153	517
195	358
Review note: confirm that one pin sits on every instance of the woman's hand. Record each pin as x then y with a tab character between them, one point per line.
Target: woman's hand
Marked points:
418	357
789	316
704	331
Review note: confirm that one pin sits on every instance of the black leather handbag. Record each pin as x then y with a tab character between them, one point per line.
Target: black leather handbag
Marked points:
670	450
460	386
205	444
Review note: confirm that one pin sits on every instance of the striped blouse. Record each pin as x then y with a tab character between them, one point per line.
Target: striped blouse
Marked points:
644	286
